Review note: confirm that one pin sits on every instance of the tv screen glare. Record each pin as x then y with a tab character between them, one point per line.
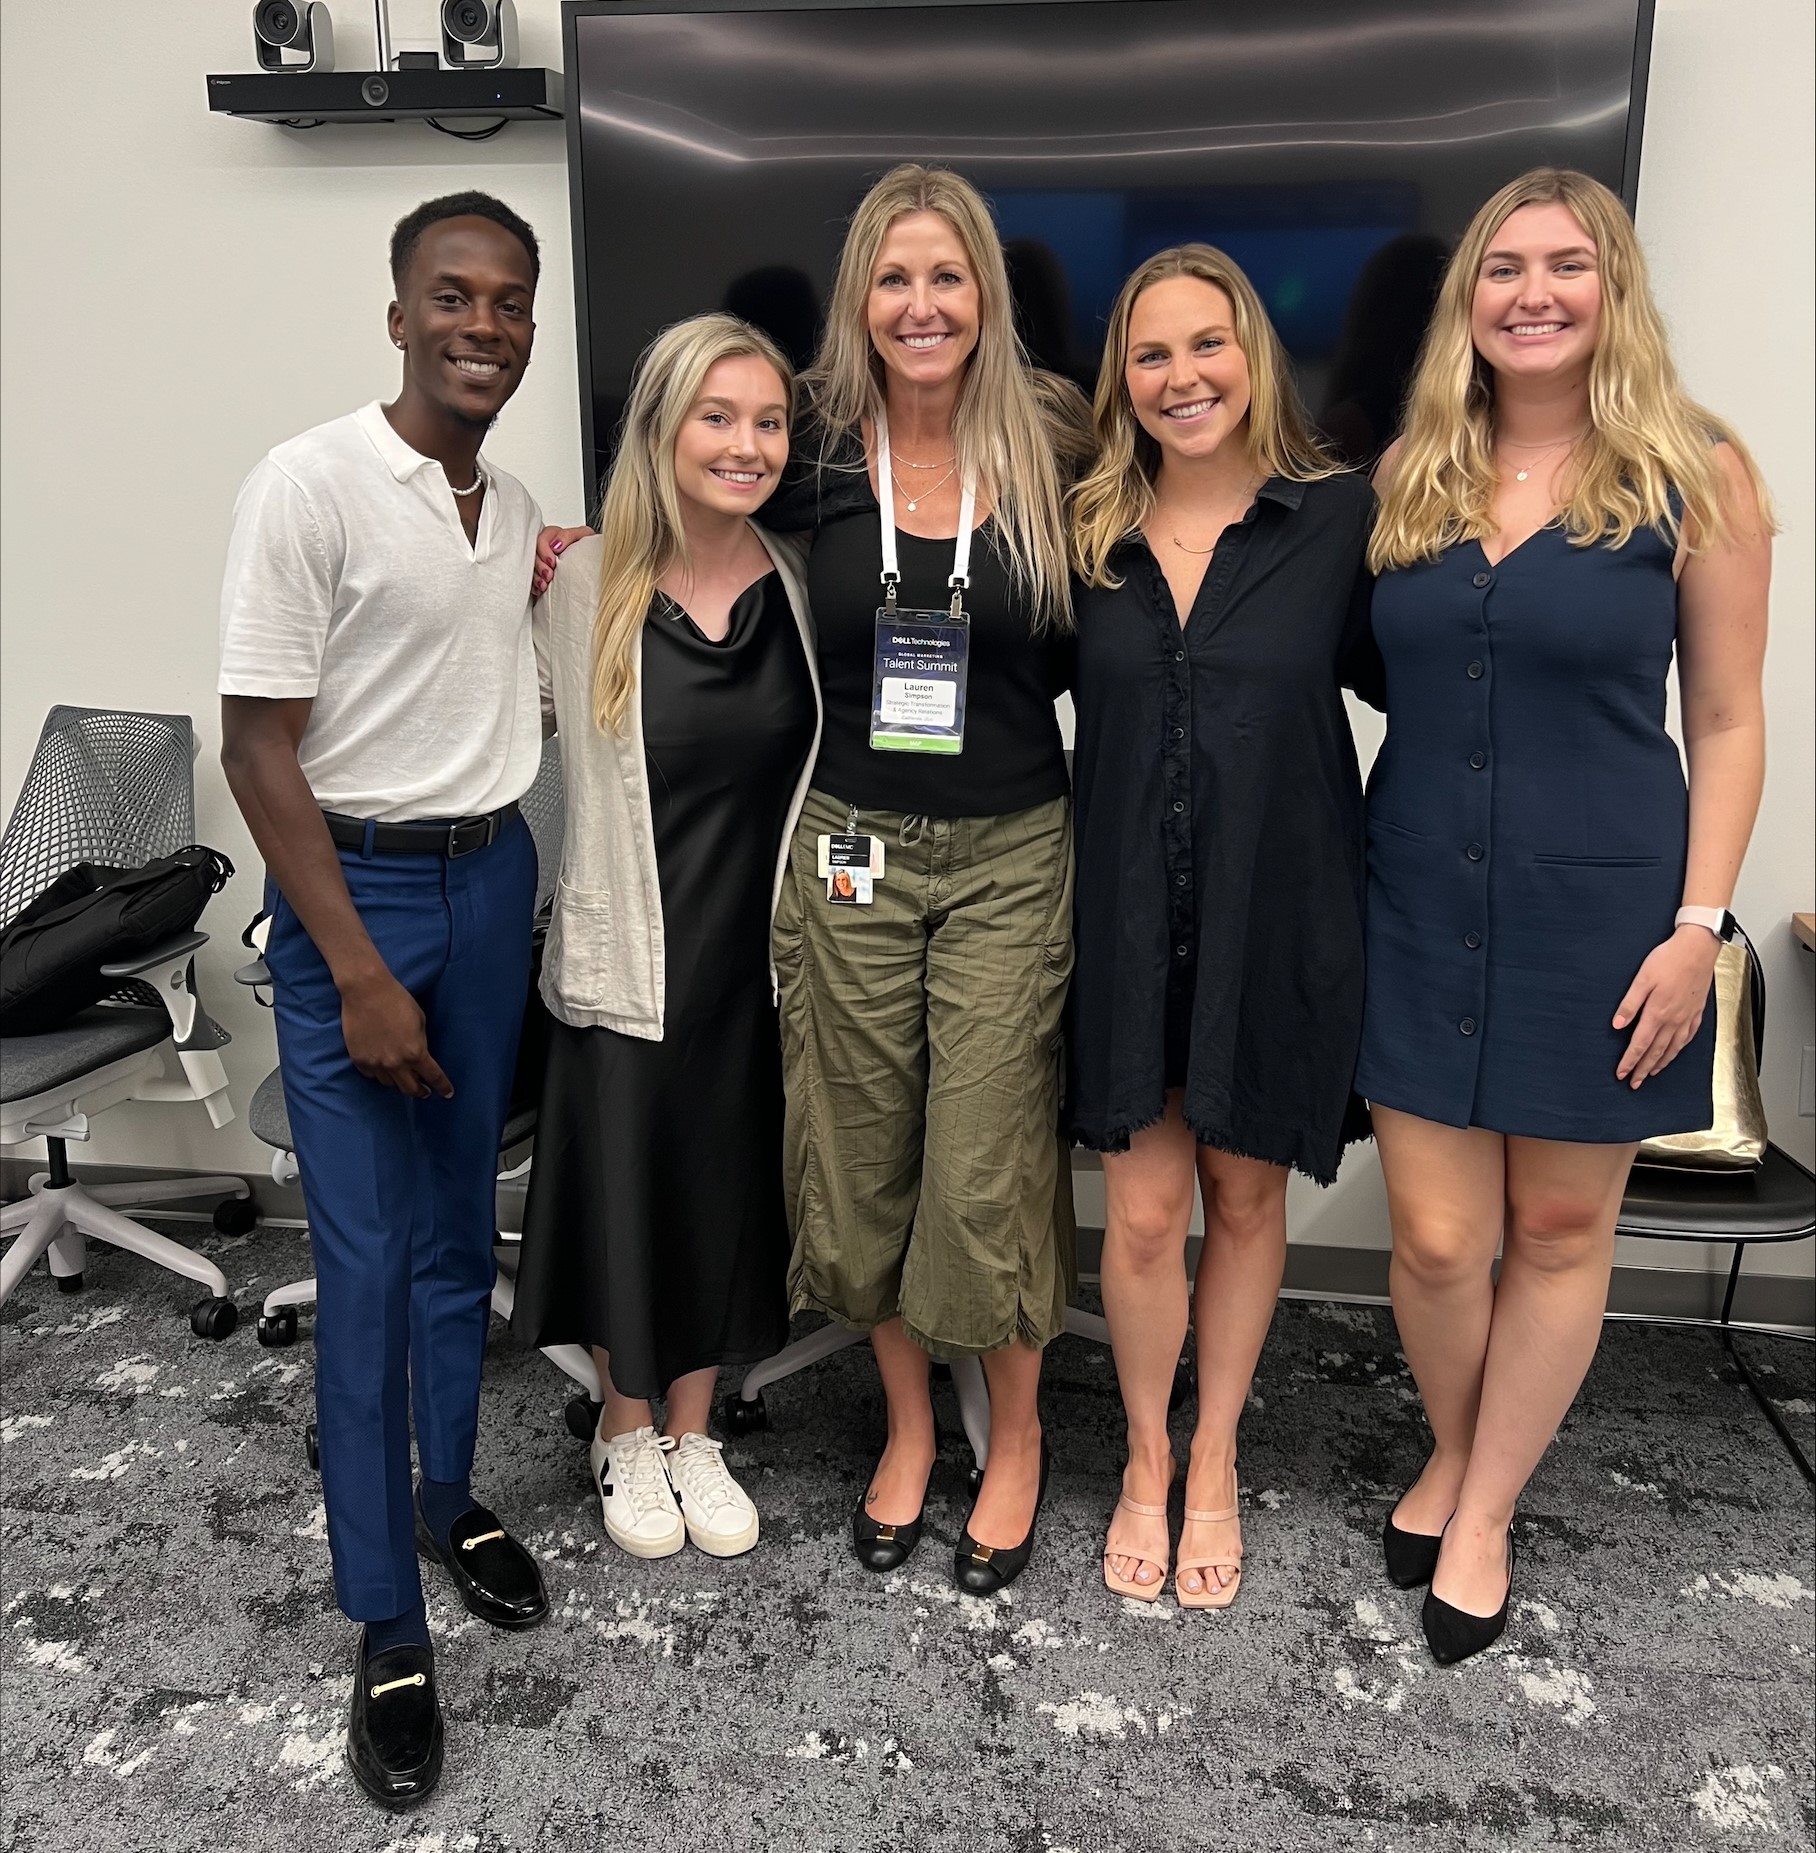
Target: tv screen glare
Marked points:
1334	148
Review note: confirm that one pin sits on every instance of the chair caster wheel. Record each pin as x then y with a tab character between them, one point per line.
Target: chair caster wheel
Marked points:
581	1414
742	1418
974	1480
278	1328
68	1283
312	1448
214	1318
235	1216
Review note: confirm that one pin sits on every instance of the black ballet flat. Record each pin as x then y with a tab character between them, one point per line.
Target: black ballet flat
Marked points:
1411	1556
1454	1634
882	1548
983	1569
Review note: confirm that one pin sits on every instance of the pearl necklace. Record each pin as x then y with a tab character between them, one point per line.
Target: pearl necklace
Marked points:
474	487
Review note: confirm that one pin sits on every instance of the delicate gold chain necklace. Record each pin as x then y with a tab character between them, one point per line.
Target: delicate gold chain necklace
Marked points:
920	495
1543	450
1206	552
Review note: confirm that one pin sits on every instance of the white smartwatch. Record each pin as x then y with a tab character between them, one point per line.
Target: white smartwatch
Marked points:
1717	919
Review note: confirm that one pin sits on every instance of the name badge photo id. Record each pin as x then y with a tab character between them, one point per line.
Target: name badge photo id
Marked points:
917	700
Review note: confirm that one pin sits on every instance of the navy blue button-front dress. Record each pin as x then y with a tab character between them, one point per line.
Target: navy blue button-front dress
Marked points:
1527	828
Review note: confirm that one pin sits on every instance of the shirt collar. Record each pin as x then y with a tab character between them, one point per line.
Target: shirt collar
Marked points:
399	458
1283	490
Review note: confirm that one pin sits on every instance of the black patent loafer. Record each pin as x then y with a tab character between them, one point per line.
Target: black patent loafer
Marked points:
394	1737
981	1569
1410	1556
882	1548
1454	1634
497	1579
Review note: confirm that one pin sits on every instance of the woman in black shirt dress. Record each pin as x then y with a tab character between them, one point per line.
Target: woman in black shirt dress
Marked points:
1217	992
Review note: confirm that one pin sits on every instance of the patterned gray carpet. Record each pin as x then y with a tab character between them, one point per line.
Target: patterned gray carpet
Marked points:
174	1676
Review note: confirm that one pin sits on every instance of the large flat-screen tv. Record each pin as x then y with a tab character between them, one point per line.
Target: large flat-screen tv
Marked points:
1334	148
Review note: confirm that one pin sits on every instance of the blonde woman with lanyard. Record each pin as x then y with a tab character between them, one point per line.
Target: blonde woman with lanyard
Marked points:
1545	900
679	662
930	1191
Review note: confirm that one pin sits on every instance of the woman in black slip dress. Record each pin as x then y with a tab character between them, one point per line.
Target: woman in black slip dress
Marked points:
1544	895
679	665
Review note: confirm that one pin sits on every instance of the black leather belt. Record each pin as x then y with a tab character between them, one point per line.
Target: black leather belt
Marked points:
460	837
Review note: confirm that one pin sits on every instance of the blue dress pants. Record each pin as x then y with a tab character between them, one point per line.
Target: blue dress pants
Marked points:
400	1192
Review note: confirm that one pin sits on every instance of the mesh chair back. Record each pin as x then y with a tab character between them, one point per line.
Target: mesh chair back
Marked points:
104	786
545	811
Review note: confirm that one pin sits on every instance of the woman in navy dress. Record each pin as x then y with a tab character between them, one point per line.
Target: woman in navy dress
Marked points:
1545	896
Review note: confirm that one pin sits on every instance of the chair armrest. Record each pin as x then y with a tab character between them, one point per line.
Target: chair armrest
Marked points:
170	971
179	948
257	973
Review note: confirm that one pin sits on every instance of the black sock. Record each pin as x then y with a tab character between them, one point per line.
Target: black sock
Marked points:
410	1629
442	1502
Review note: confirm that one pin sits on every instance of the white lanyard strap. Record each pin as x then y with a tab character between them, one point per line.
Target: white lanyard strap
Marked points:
967	509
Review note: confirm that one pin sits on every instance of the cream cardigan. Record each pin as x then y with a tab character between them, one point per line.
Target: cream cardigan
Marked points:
603	965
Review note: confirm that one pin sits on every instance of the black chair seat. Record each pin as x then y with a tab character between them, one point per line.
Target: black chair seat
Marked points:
1776	1203
91	1039
269	1118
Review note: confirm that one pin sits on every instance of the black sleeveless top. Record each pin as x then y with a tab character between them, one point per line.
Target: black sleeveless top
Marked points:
1013	757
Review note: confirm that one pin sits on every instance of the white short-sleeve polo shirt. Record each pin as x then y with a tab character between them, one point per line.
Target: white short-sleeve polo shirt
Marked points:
351	580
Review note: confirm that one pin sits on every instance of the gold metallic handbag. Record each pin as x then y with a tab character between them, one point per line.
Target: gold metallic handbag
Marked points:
1737	1140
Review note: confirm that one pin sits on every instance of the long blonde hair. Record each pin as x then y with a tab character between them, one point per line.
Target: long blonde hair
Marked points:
1647	437
1018	428
640	511
1117	496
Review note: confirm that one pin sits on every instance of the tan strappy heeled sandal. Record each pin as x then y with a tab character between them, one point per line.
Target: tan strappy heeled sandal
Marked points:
1136	1592
1210	1596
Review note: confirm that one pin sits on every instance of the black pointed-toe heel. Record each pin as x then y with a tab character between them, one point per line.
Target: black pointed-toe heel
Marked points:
882	1548
981	1569
1454	1634
1411	1556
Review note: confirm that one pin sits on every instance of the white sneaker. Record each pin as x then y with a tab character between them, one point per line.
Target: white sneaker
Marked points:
715	1509
635	1498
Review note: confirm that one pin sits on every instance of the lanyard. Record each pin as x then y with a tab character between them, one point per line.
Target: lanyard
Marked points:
967	507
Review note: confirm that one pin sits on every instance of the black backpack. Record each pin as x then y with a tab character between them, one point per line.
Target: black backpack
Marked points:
52	953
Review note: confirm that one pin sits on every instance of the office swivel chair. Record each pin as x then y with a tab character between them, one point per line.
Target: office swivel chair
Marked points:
269	1119
116	789
1774	1203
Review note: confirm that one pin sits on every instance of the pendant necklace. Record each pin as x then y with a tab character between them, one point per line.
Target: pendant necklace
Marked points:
1519	476
1204	553
914	501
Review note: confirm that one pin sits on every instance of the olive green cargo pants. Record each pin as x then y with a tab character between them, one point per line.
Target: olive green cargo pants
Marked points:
921	1051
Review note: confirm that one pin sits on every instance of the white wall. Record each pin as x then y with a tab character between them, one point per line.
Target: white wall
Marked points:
182	291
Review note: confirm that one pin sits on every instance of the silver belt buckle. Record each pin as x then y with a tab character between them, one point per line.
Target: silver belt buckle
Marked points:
479	833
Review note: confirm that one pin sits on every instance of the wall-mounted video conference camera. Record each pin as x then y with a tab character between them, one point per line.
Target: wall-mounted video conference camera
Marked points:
478	35
293	35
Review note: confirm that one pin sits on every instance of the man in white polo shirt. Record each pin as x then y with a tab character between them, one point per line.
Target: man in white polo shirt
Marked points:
380	720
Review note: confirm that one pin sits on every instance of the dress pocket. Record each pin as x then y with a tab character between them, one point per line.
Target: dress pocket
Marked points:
1596	862
1389	828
